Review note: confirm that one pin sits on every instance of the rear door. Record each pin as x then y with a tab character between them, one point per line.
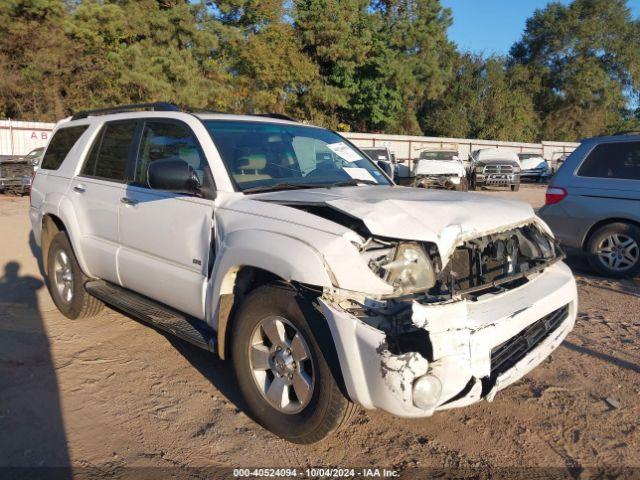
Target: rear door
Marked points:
96	192
165	237
607	182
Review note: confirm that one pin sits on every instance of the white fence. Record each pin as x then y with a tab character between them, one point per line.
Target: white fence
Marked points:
19	138
407	148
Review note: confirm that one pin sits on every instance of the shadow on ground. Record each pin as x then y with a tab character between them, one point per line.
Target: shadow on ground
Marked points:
32	432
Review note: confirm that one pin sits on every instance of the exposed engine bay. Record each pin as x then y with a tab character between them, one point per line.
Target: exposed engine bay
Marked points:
486	264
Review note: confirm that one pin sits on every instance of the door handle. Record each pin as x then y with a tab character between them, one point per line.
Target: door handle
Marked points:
79	189
128	201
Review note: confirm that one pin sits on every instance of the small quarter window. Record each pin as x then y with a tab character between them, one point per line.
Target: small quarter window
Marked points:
619	160
62	142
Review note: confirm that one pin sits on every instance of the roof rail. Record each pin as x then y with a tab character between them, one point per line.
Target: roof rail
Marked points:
279	116
628	132
156	107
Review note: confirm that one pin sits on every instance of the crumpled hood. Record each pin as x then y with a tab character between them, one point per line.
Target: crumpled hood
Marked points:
534	162
439	167
443	217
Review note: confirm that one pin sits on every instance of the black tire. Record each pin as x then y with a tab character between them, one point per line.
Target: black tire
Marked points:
81	305
463	186
618	228
328	408
515	187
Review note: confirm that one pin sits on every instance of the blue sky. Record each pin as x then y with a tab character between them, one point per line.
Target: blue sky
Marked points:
492	26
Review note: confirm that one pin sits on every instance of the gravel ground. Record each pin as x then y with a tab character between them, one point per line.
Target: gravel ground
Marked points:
108	394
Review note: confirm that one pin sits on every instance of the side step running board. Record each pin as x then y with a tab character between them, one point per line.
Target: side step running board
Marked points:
191	329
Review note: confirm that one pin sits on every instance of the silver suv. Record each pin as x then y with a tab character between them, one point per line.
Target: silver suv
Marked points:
281	246
593	203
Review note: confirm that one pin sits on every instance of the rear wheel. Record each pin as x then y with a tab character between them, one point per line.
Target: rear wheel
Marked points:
282	371
515	187
65	281
614	250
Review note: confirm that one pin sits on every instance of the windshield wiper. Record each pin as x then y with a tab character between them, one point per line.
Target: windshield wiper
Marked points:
352	182
281	186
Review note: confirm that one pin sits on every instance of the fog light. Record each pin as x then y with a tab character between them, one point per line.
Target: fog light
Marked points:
426	392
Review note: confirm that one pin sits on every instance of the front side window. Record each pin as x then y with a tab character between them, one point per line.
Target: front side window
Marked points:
168	141
613	160
261	155
62	142
110	152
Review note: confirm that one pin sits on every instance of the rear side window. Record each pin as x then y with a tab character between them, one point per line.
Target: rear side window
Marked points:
63	140
613	160
110	152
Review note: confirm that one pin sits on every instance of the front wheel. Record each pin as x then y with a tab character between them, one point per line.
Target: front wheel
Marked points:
65	281
614	250
281	369
515	187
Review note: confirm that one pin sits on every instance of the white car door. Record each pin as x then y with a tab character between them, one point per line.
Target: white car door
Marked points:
165	237
95	194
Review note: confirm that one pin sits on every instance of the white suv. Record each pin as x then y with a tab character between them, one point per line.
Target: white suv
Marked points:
280	246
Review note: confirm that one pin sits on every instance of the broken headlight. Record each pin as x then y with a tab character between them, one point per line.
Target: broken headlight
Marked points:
406	267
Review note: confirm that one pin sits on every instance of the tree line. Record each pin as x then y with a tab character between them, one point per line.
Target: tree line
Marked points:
362	65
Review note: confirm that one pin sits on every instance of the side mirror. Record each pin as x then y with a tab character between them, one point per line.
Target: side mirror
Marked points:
386	167
173	175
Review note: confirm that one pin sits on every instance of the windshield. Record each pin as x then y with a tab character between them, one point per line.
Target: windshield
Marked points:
260	155
34	153
377	153
438	155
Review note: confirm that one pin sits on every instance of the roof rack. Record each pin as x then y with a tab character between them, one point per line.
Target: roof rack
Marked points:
628	132
279	116
164	107
156	107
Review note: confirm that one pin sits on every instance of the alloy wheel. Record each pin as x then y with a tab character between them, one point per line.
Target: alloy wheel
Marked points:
618	252
281	365
63	276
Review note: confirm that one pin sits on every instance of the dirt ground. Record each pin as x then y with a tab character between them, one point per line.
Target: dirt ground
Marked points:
109	394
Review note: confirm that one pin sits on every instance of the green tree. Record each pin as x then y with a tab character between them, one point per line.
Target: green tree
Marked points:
586	59
486	101
33	53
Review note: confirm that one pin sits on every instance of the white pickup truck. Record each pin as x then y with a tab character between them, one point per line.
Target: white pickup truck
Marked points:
281	247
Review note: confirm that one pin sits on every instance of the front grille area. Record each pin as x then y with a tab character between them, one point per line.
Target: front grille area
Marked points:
15	170
507	354
498	169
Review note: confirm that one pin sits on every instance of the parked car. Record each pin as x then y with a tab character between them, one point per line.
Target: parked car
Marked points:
34	157
494	167
15	175
593	203
384	158
557	159
534	167
440	168
282	247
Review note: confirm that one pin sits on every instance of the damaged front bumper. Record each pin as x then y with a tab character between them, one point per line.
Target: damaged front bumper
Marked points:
473	348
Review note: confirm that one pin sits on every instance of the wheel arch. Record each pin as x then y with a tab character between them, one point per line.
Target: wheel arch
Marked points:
51	225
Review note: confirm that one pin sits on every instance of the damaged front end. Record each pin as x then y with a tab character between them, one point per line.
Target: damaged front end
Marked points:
453	331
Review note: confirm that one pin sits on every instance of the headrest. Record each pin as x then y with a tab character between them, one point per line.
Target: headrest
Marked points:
255	161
